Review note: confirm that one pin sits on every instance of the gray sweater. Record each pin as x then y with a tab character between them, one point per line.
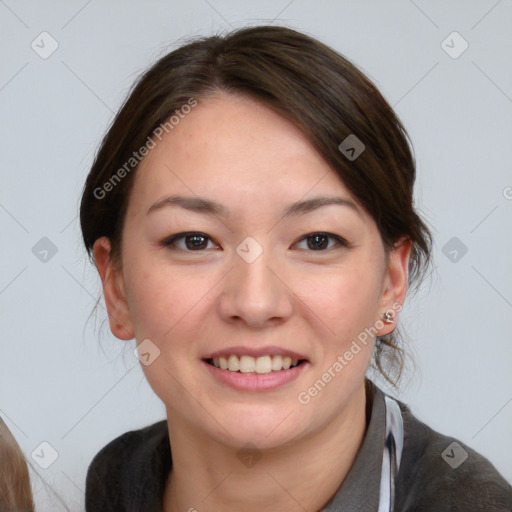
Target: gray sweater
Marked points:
130	473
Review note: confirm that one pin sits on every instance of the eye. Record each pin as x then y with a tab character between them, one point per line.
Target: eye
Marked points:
192	241
320	241
197	242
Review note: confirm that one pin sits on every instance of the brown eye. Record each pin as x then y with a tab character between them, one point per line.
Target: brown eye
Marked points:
192	241
320	241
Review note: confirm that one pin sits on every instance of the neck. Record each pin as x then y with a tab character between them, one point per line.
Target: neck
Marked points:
208	476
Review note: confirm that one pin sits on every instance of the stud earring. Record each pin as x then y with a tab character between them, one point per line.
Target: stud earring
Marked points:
388	318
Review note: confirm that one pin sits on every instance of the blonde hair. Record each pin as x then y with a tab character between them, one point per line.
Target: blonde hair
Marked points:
15	490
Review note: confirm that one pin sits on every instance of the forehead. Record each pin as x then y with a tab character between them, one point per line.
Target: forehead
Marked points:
236	147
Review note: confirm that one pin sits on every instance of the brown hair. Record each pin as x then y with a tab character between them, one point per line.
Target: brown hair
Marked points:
15	491
310	84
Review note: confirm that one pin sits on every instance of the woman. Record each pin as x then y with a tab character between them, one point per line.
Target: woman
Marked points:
250	214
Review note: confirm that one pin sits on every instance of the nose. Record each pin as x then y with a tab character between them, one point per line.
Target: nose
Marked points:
256	293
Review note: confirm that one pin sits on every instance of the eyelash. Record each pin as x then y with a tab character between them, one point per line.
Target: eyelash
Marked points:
170	241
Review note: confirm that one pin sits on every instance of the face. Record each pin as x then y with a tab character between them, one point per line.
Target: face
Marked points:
245	274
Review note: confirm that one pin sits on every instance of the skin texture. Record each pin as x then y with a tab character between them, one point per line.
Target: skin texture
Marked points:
192	302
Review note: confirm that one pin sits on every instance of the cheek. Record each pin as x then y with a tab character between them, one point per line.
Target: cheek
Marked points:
347	304
164	307
170	305
157	297
345	301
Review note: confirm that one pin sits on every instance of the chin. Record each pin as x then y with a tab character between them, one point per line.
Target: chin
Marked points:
265	427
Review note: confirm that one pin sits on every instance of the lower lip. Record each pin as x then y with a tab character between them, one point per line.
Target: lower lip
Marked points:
256	381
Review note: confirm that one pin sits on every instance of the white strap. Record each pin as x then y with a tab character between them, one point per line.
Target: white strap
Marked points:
395	424
395	428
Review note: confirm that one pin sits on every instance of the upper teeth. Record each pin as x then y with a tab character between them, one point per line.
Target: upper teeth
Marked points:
248	364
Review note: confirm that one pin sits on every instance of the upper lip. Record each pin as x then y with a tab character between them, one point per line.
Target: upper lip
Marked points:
256	352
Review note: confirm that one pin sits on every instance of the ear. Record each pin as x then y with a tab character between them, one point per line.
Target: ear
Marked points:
114	291
395	283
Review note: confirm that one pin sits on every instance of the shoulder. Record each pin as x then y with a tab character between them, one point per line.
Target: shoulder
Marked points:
130	469
439	473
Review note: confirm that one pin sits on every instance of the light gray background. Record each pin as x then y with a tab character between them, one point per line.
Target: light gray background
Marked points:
59	384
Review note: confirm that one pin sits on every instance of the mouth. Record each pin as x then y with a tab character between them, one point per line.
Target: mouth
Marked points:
251	369
257	365
256	369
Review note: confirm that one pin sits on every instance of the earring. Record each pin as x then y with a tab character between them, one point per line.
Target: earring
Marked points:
387	317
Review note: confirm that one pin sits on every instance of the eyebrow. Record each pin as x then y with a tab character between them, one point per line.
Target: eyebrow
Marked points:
209	207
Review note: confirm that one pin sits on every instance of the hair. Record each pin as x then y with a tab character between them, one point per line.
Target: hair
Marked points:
15	490
307	82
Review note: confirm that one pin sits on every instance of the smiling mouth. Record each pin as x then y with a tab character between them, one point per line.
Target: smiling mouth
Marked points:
260	365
